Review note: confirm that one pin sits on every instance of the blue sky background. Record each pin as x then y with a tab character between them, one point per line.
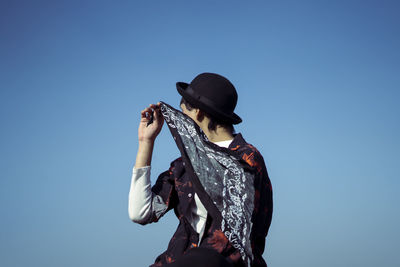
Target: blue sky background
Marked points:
318	85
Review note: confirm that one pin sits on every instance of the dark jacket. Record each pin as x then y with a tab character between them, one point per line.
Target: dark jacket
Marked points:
177	186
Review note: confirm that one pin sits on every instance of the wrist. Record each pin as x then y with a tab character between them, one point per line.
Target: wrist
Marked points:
146	146
149	141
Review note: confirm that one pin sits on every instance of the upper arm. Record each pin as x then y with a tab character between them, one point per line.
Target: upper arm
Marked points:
164	187
148	204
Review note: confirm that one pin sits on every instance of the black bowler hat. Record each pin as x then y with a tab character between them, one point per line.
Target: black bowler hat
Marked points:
212	93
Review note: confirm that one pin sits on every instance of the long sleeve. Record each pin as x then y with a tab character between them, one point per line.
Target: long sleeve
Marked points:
144	206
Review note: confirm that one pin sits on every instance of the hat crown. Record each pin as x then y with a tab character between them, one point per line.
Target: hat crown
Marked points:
216	88
212	93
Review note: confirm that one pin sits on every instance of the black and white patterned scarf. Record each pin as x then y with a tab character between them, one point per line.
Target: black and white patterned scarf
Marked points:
226	188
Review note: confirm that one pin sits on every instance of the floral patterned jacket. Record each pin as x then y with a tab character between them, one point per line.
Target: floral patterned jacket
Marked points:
239	211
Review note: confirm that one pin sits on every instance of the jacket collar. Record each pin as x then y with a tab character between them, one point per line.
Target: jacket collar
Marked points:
238	140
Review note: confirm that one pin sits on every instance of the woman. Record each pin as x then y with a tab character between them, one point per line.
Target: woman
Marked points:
219	188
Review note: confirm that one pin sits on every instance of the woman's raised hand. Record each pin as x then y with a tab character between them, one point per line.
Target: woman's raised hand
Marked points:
151	122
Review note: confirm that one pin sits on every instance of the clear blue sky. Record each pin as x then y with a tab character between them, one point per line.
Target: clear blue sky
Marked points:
318	85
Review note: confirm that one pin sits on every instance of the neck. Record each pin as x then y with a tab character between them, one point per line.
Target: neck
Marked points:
220	134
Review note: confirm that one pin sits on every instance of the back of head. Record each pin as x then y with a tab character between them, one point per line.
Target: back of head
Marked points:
213	122
215	96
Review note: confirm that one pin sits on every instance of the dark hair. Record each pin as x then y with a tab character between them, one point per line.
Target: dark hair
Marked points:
213	123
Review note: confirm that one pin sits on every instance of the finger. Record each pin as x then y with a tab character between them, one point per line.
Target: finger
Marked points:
156	115
146	110
158	106
154	107
144	113
159	109
151	108
158	118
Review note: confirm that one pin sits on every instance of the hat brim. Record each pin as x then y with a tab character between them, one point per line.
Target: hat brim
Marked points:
229	118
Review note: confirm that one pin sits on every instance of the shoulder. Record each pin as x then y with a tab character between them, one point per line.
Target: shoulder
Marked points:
176	166
247	152
177	161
